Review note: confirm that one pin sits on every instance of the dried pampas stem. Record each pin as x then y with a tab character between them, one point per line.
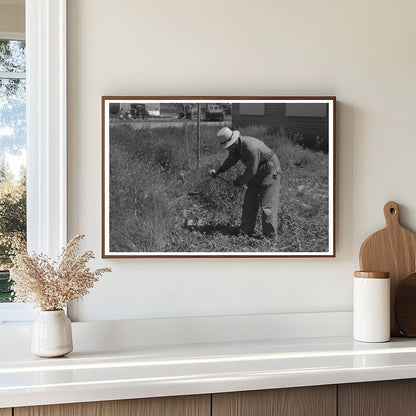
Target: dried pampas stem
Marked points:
53	285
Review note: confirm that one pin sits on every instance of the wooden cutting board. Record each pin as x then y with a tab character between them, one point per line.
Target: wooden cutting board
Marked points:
393	250
405	306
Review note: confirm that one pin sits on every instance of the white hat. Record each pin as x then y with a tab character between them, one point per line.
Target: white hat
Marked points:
228	137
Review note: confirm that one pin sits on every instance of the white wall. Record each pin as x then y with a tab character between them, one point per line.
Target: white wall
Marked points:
361	51
12	18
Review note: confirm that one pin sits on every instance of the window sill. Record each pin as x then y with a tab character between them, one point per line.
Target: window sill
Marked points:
16	313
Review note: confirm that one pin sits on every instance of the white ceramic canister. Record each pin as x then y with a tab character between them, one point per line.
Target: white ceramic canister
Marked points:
371	322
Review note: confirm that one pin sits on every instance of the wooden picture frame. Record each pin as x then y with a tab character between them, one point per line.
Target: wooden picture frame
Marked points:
159	199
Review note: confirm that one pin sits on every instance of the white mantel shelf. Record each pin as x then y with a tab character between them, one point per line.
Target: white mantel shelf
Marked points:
151	371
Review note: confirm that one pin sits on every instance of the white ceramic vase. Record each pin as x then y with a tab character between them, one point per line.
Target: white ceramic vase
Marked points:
52	334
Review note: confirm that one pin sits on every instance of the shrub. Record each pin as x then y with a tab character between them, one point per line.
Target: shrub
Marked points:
12	214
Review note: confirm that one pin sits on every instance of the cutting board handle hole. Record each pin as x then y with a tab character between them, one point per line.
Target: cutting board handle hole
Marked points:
391	213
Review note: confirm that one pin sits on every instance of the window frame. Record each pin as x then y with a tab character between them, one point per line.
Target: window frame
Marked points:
46	137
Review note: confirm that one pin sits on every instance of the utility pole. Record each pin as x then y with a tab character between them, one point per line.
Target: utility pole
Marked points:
198	136
187	143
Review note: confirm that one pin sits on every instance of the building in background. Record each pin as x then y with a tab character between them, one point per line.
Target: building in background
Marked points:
308	119
152	108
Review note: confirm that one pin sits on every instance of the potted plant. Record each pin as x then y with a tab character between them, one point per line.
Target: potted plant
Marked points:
52	286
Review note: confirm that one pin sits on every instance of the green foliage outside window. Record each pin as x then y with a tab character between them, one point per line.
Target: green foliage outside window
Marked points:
12	223
12	145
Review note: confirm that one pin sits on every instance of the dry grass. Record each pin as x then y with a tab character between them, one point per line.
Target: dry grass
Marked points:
150	206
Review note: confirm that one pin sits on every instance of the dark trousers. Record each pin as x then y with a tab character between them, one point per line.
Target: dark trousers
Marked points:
265	197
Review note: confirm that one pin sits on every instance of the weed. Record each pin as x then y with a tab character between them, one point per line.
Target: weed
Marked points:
153	171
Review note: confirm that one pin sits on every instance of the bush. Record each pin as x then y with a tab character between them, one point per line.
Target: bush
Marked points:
12	215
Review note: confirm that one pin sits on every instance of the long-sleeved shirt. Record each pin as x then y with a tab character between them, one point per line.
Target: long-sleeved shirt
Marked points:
253	153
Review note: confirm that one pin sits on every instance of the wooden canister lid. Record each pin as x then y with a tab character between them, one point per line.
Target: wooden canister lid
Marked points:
372	275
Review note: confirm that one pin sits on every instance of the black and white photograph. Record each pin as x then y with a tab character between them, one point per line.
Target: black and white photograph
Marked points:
218	176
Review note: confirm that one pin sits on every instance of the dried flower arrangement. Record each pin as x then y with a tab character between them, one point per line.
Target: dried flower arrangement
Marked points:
53	285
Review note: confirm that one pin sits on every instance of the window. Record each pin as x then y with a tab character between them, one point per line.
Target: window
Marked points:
12	154
46	135
12	165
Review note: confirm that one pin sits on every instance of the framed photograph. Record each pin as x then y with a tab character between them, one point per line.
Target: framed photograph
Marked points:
218	176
